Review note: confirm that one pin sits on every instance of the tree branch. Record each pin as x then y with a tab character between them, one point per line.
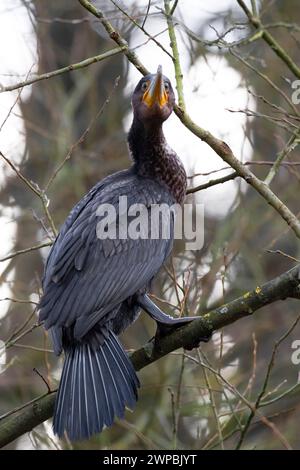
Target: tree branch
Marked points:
68	68
286	285
176	61
115	36
27	250
290	146
141	27
275	46
211	183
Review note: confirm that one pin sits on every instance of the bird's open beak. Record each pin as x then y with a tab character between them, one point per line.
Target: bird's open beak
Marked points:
156	93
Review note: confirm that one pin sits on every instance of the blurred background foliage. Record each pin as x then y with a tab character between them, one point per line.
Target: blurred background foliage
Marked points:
176	407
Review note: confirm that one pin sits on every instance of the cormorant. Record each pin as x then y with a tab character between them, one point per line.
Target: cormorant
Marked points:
94	288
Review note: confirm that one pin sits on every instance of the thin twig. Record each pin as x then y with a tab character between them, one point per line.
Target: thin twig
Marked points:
14	103
147	13
26	250
19	301
290	146
279	252
267	79
68	68
152	38
265	383
32	348
43	379
36	190
214	182
176	61
212	401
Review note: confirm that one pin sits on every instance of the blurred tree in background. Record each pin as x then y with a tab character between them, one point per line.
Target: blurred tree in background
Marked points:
182	404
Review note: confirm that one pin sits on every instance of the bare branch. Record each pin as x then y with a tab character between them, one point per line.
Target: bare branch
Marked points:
68	68
176	61
214	182
275	46
290	146
151	38
26	250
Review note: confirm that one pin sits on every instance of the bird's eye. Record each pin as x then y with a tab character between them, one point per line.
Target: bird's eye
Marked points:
144	86
167	87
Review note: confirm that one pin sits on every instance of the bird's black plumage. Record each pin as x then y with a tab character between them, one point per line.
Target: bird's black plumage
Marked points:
91	285
86	278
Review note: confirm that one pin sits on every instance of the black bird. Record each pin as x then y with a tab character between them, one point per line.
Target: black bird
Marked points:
94	288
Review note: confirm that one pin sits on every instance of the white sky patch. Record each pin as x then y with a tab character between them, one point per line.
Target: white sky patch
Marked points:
8	229
18	56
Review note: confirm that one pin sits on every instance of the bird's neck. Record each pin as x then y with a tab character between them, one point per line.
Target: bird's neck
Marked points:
153	158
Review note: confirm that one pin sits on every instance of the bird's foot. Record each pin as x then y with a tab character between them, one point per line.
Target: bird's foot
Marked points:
167	324
196	343
161	318
164	330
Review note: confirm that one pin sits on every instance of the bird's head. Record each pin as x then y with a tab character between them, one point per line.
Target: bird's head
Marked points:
153	98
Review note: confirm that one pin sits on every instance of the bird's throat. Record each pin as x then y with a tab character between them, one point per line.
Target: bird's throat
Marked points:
153	158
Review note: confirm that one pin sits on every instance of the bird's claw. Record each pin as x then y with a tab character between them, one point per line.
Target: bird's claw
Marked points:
196	344
164	330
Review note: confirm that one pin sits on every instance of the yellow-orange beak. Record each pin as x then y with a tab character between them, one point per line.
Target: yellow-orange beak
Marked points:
156	92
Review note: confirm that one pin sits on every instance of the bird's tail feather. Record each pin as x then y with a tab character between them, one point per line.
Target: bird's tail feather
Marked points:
96	385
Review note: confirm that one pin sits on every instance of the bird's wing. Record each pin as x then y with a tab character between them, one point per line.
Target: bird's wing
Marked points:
73	215
87	277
